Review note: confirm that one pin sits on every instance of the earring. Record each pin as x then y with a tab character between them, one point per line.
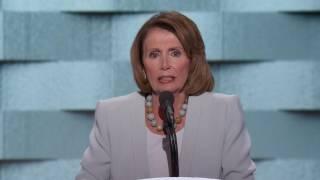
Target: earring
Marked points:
144	75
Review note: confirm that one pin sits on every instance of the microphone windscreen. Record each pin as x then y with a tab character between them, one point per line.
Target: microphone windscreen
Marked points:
166	97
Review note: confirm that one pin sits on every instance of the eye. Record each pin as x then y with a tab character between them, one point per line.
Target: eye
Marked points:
175	53
153	54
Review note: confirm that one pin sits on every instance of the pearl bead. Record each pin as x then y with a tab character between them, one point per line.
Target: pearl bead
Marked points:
148	103
184	106
149	98
154	123
182	112
150	116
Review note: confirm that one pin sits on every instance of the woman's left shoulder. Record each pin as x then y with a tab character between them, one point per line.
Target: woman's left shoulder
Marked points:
220	97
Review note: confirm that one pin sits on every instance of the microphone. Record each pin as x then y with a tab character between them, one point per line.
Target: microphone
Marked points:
166	105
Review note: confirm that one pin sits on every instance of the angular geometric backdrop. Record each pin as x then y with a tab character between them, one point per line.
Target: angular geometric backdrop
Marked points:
57	58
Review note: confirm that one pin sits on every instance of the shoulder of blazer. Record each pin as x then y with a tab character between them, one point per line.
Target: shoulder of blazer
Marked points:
121	101
108	110
220	98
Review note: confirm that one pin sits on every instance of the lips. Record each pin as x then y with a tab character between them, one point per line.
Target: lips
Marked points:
166	79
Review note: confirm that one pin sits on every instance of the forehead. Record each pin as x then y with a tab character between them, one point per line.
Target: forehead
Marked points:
158	36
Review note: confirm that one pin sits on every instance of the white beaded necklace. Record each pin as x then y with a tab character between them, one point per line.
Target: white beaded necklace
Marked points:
152	119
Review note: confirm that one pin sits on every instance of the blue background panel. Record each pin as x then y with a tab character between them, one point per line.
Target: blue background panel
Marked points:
1	87
44	134
284	134
56	85
270	5
288	169
108	5
155	5
271	36
51	36
271	85
53	85
228	36
123	82
1	135
125	27
1	34
62	169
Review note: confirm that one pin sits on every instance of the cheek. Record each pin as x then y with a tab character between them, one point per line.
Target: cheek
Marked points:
185	75
184	71
148	69
151	74
186	67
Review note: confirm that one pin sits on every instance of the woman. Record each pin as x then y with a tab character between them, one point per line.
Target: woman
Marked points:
126	141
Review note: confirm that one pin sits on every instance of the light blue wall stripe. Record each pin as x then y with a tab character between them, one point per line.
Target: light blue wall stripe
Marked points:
45	134
284	134
125	27
288	169
271	36
228	36
56	85
61	169
1	87
1	136
272	85
155	5
109	5
77	85
52	36
271	5
1	34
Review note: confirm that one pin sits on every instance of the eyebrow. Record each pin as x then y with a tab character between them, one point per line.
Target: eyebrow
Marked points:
153	49
158	50
174	48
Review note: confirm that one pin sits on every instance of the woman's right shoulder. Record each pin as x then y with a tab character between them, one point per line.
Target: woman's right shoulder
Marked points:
120	101
116	109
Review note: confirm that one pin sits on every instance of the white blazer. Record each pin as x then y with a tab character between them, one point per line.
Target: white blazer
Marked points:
215	142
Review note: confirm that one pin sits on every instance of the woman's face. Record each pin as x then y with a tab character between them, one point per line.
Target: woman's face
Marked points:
165	61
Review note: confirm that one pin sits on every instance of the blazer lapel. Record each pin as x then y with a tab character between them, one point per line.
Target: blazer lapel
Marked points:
138	139
190	136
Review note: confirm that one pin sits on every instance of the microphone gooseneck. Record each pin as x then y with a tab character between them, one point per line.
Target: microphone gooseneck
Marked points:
166	100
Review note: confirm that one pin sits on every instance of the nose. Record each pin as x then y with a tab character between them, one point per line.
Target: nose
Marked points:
165	63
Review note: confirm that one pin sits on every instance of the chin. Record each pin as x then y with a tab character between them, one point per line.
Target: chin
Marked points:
173	90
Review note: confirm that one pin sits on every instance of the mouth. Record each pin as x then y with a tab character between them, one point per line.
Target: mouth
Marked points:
166	79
